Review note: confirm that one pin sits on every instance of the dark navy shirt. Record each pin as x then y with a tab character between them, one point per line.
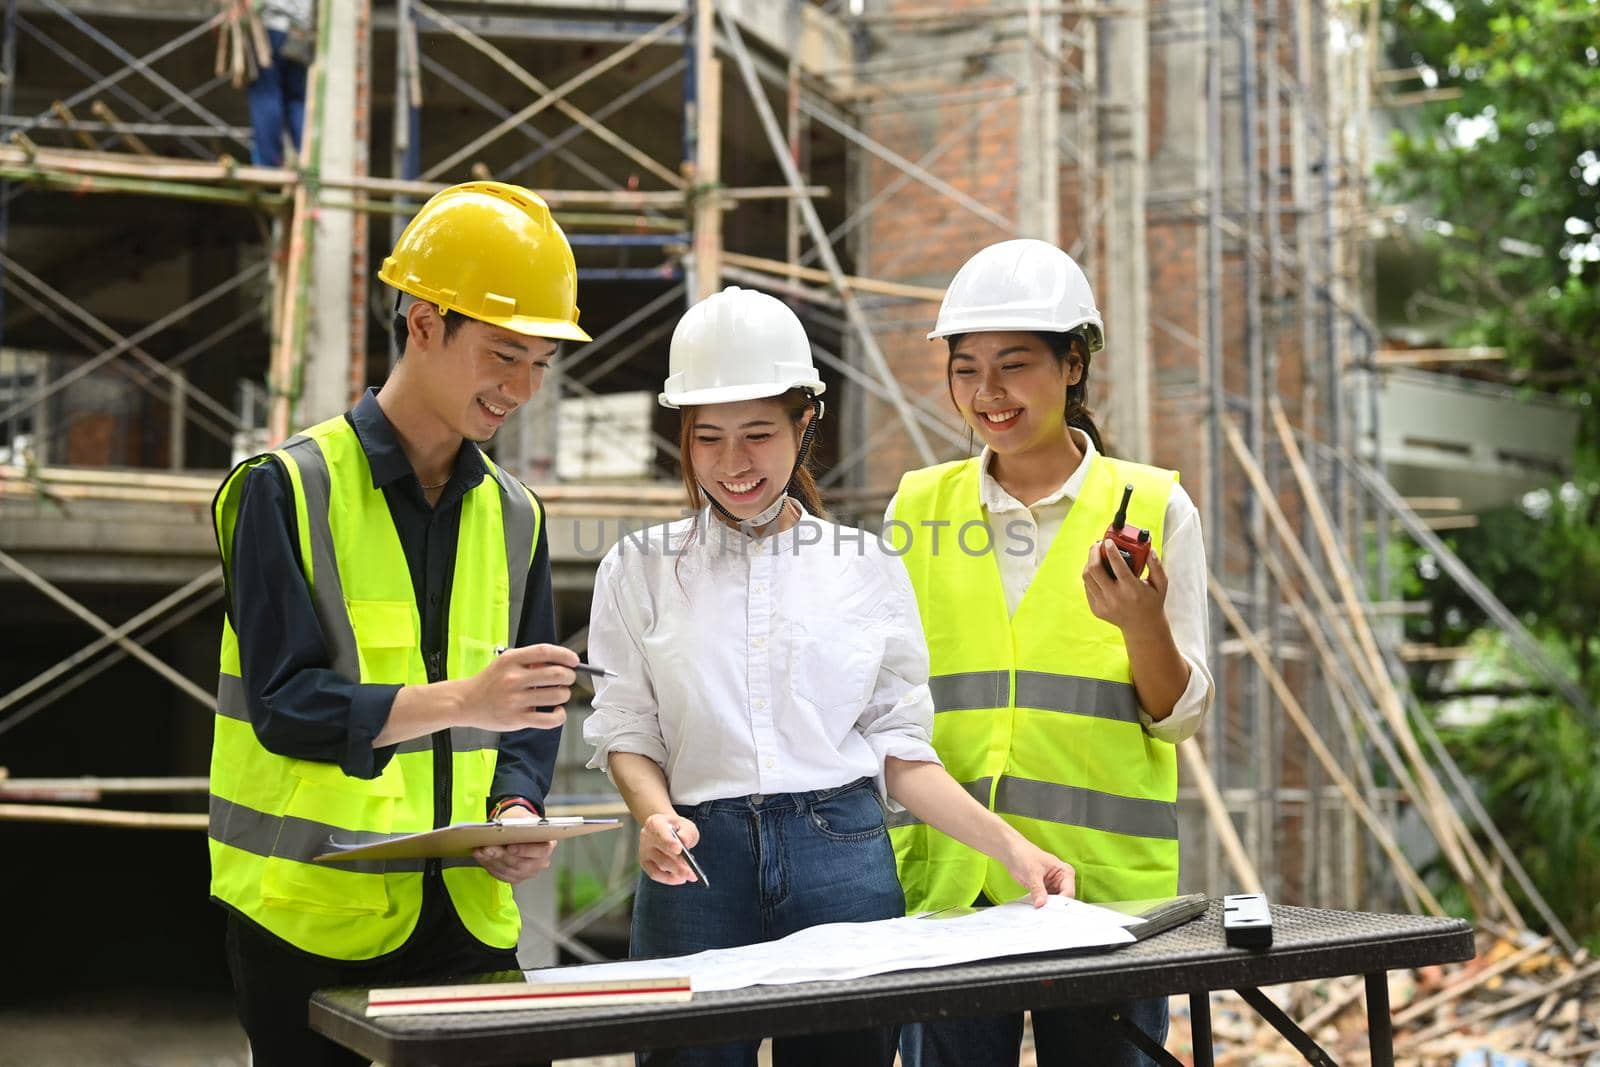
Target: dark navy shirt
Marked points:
299	706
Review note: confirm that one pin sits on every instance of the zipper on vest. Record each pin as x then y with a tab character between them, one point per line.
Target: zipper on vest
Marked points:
442	755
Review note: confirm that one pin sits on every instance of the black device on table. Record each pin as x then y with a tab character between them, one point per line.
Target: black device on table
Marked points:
1247	920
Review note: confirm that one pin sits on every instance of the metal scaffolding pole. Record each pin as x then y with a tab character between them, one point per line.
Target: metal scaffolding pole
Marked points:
852	307
1216	483
141	65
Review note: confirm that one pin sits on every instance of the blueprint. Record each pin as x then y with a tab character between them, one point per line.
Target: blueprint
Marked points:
856	950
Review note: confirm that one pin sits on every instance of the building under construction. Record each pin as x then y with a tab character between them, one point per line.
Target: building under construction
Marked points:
168	308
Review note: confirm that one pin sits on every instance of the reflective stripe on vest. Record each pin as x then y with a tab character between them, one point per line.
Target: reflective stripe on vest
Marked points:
1036	712
270	814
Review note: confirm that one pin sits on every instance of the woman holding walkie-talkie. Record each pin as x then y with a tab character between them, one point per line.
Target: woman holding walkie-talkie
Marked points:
769	696
1067	646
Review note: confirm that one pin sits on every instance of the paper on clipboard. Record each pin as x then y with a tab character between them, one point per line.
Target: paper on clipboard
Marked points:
460	839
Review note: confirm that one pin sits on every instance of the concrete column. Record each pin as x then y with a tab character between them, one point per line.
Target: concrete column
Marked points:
1038	129
325	387
1124	92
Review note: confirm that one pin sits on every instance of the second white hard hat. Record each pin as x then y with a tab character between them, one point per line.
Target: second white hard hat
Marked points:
1020	285
737	345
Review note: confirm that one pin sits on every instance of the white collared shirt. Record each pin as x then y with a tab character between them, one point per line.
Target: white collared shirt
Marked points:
745	665
1183	554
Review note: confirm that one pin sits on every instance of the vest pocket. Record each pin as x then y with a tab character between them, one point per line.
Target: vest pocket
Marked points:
325	801
386	639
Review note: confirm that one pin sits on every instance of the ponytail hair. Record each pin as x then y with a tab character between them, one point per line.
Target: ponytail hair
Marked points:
1077	414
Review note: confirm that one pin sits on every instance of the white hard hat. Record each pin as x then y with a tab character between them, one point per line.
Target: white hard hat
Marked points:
1020	285
737	345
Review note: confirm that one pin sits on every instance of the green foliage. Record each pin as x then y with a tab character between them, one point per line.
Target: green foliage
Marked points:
1504	164
1510	171
1544	565
1536	768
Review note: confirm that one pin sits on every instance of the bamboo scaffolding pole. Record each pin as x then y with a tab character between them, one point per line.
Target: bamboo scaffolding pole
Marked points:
26	490
1330	764
127	820
703	173
1194	765
1337	621
1338	1000
1510	1004
261	187
285	369
90	784
1460	989
70	122
85	183
1338	672
851	281
198	481
1456	836
103	112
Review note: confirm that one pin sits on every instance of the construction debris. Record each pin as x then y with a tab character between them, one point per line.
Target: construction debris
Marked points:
1521	1002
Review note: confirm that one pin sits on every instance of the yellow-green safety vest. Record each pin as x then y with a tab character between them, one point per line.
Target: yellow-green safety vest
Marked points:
269	813
1035	714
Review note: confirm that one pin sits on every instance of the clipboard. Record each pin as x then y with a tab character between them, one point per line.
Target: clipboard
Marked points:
1154	915
1160	913
460	839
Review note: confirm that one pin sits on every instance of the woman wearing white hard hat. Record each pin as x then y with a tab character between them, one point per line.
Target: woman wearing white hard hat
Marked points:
1064	672
771	682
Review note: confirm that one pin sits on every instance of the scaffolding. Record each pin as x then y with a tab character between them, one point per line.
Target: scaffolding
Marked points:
1227	242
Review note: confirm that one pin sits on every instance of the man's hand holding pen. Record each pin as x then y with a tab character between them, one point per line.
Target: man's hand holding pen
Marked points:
523	687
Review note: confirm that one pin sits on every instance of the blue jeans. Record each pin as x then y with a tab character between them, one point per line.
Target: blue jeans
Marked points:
1061	1037
775	865
277	97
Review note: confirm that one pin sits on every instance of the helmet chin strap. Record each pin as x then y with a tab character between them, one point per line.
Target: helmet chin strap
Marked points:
770	513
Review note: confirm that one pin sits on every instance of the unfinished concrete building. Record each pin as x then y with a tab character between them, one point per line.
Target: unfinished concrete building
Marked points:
168	309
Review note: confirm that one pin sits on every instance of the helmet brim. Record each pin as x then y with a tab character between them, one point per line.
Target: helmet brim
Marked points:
1092	330
733	394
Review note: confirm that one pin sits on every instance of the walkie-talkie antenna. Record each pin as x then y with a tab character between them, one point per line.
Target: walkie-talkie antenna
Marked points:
1122	508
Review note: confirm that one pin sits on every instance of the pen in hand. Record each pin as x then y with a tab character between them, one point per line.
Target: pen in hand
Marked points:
694	865
580	668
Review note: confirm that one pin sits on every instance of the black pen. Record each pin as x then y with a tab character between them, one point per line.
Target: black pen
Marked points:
580	668
694	865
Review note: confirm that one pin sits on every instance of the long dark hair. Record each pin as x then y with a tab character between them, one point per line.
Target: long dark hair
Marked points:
795	403
1063	346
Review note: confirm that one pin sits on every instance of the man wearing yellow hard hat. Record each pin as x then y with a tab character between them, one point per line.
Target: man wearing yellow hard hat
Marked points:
376	565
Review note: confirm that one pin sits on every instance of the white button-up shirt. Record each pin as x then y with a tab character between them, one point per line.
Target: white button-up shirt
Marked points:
745	665
1183	554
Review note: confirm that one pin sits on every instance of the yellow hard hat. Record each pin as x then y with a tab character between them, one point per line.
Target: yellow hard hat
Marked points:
492	252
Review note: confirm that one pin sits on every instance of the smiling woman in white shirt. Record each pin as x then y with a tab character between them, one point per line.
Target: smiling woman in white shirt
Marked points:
1063	672
771	683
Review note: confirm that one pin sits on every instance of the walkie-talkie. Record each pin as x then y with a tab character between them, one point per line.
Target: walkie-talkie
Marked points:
1132	542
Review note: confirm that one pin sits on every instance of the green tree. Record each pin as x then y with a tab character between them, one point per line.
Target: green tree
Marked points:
1509	171
1504	163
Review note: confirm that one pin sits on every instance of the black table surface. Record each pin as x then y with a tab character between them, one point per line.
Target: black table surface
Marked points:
1307	943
